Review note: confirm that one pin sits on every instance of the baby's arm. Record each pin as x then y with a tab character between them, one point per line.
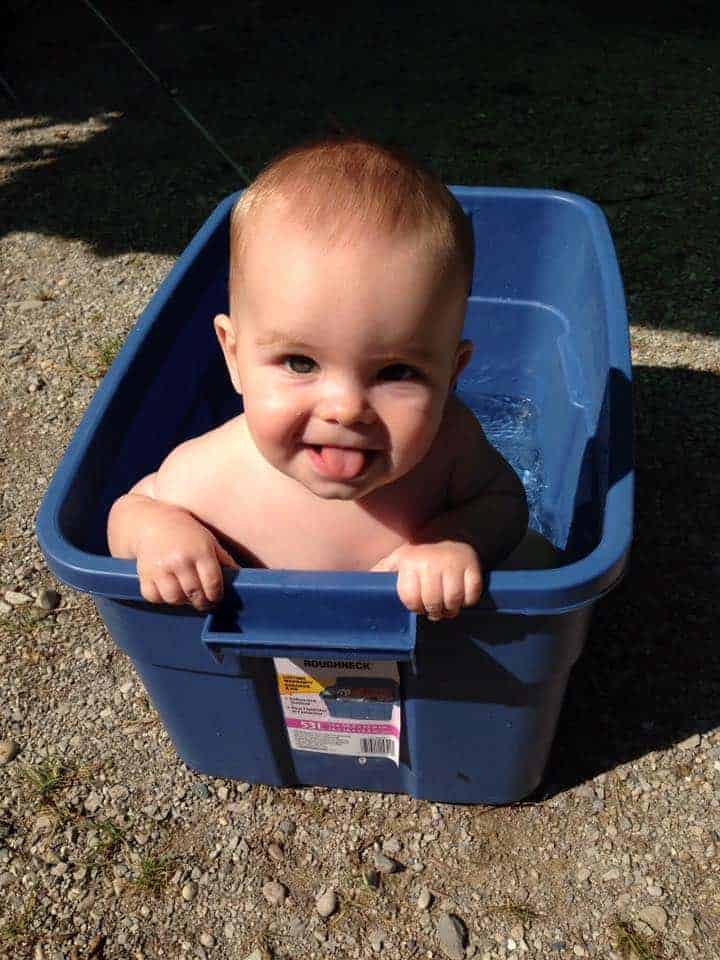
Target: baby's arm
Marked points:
178	559
441	570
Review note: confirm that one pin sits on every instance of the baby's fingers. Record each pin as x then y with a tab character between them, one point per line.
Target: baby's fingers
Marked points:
432	594
192	587
210	576
473	581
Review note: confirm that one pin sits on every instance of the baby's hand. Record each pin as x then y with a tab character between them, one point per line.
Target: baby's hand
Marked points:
435	578
179	561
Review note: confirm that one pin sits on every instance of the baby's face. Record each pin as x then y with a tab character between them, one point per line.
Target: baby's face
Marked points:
344	355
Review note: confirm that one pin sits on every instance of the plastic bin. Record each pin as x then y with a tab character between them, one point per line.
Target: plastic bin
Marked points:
480	695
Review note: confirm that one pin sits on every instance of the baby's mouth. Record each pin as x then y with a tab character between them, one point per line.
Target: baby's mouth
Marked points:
339	463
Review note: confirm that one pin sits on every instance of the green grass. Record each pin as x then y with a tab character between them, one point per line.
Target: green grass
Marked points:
17	929
517	911
631	944
48	777
107	351
110	839
154	874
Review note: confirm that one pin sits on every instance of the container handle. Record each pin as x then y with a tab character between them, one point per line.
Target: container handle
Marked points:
274	613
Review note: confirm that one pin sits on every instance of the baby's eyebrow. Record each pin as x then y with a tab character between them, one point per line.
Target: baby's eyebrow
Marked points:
275	338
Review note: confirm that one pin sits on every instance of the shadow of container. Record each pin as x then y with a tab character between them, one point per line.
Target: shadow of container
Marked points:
480	695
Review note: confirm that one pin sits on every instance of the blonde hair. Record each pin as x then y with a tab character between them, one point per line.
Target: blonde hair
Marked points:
349	184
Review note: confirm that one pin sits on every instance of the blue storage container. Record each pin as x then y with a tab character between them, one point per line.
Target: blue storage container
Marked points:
480	695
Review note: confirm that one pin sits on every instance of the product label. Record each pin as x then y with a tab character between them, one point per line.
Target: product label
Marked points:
348	707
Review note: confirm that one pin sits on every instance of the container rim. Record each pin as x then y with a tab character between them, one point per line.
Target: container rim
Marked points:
554	591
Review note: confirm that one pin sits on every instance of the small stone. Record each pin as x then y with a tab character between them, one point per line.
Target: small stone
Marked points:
222	793
201	790
686	924
391	846
690	744
451	934
424	899
511	945
258	954
385	864
5	608
326	905
655	917
655	890
275	893
38	613
371	878
207	940
243	787
92	803
190	890
377	939
613	874
48	599
287	827
275	852
9	749
16	599
579	951
582	874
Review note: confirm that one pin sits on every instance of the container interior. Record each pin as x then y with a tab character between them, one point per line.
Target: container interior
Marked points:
538	379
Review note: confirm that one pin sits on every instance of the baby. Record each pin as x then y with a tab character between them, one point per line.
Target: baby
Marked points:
349	272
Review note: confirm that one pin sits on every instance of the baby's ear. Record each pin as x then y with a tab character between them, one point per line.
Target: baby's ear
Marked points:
225	330
463	355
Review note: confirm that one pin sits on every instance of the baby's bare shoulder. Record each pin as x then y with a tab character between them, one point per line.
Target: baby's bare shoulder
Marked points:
462	430
474	461
196	466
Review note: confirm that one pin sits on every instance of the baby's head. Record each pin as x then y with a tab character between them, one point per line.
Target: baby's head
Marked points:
349	273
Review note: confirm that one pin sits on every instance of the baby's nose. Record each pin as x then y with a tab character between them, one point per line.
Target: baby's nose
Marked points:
346	404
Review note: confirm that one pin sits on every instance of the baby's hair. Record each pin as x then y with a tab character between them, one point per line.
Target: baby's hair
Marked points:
346	184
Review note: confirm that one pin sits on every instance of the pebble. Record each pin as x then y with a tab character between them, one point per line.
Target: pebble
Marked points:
207	939
38	613
686	924
385	864
201	790
16	599
275	893
326	905
690	744
48	599
424	899
275	852
258	954
243	787
371	878
9	749
377	939
287	827
451	934
655	917
92	803
5	608
190	890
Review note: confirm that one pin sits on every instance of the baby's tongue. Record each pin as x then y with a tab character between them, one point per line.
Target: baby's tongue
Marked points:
342	463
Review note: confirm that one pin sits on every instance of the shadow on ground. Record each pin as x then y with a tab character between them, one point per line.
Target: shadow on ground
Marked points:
650	673
608	100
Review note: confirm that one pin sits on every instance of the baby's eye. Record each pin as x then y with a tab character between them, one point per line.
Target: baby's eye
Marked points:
398	371
299	364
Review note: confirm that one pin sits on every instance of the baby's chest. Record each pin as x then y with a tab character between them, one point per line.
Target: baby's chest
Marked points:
275	530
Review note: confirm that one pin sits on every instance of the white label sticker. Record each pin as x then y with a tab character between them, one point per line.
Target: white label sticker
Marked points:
348	707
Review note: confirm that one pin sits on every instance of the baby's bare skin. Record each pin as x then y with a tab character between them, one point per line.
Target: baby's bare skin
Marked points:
265	518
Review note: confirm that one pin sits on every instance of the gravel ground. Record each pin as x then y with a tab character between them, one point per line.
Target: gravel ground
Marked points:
109	846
